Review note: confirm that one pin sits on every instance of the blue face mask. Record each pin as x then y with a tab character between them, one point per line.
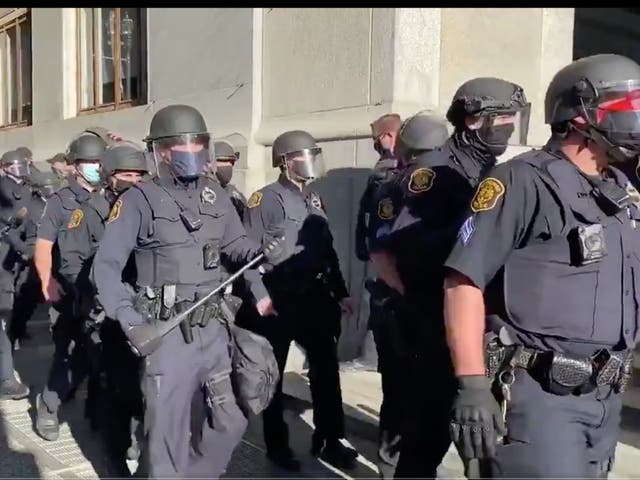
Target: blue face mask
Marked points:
188	165
90	172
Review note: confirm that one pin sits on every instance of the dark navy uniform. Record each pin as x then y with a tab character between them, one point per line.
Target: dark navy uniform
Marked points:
176	266
64	211
305	290
437	188
237	198
551	286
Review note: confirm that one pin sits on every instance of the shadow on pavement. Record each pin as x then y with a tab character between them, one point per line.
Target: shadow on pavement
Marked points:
15	463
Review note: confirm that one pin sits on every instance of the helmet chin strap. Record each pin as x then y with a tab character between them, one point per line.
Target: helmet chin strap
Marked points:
616	153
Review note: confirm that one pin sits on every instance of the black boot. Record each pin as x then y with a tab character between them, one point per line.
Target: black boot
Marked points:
284	458
335	453
47	424
13	390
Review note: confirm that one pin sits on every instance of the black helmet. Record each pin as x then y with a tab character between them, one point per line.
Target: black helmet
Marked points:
45	183
123	156
604	90
224	151
420	132
180	142
15	163
86	147
300	146
25	151
175	120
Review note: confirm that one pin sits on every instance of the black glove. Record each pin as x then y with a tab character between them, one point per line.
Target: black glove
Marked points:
275	251
143	339
477	419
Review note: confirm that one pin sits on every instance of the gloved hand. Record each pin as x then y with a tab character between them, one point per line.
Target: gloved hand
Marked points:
144	339
477	419
275	251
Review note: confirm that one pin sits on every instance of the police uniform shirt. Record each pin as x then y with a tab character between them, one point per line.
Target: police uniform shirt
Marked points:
59	209
521	243
146	220
437	188
281	209
15	199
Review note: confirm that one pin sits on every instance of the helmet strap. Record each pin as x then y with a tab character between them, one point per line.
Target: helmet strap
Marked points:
616	153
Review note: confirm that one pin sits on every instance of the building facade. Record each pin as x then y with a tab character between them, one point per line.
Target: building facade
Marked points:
255	73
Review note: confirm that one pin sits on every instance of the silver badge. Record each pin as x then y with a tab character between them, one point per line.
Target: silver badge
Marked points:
315	201
208	196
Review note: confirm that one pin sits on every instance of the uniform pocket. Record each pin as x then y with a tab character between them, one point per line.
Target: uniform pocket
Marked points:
221	401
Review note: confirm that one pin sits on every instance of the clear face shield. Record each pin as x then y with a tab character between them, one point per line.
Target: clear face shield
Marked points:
18	169
183	156
499	129
305	165
615	114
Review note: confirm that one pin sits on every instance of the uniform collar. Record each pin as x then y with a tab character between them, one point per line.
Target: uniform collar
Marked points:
473	160
289	185
171	182
78	189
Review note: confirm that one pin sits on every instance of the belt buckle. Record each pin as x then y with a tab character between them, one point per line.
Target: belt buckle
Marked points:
606	367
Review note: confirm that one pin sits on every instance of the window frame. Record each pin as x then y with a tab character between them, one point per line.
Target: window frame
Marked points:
14	19
117	104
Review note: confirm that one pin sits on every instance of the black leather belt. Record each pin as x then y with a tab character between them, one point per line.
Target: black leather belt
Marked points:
563	373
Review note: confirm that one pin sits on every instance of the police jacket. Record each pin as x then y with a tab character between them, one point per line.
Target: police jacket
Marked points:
15	199
281	209
559	264
179	235
237	198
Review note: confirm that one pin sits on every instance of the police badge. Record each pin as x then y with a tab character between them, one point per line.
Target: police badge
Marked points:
208	196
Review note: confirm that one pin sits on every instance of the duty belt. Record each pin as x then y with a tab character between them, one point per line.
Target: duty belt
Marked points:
562	373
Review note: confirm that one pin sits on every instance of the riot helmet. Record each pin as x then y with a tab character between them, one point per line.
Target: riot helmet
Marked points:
123	165
298	155
421	132
225	159
26	153
85	152
598	97
499	108
180	142
15	165
45	183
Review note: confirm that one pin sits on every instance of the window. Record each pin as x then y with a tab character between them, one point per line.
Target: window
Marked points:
606	30
15	68
111	58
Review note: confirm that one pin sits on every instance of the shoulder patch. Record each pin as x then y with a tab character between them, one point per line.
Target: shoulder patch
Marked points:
76	218
254	199
385	209
115	211
466	230
421	180
487	195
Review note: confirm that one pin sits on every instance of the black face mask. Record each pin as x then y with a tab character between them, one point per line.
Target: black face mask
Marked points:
122	185
494	140
224	174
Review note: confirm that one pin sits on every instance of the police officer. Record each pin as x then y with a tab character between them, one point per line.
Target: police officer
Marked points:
417	135
60	165
484	112
27	284
28	155
180	227
557	229
308	291
56	268
14	194
226	158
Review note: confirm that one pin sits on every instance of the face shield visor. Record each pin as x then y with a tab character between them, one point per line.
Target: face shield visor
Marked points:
46	191
183	156
615	115
305	165
18	169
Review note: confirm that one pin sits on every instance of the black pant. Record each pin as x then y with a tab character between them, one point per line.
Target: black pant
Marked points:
426	438
27	297
313	321
123	395
69	366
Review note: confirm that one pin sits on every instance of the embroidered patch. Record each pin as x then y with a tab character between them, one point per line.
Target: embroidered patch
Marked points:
421	180
115	211
467	229
383	231
489	192
254	199
385	209
208	196
76	218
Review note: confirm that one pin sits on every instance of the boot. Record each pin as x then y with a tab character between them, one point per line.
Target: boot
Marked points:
13	390
336	452
47	424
